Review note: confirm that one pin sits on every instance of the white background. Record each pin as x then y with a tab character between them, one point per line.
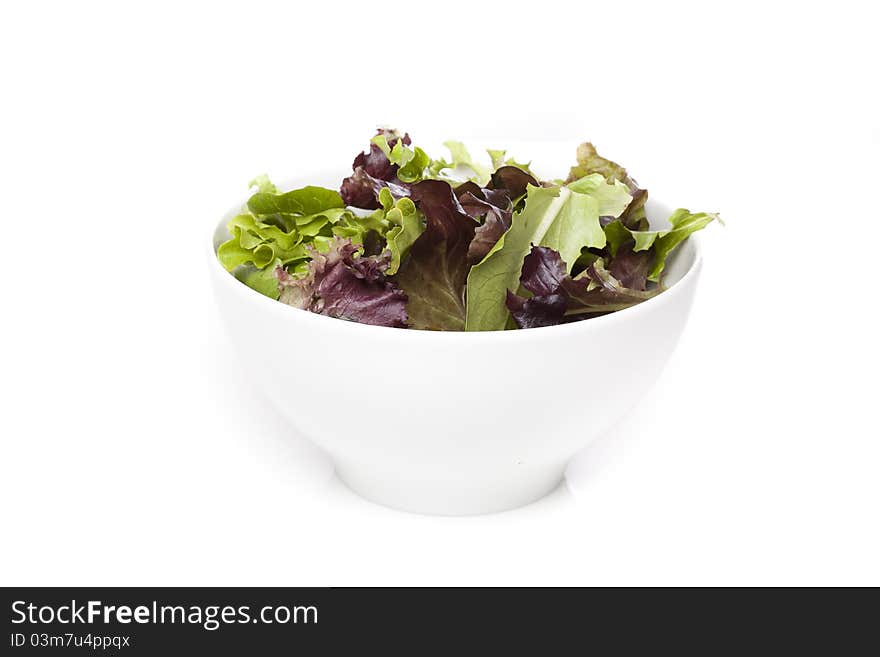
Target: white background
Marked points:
133	452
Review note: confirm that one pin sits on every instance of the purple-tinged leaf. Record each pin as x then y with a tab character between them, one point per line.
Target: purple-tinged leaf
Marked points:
372	170
538	311
374	162
434	274
512	179
631	267
340	284
596	290
543	271
558	298
491	206
361	190
495	204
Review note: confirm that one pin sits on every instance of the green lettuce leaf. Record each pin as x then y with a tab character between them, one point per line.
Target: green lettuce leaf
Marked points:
612	195
683	223
276	230
414	170
254	232
590	162
497	157
396	222
358	227
258	243
309	200
406	226
311	225
559	218
231	254
263	280
617	235
263	184
411	162
461	158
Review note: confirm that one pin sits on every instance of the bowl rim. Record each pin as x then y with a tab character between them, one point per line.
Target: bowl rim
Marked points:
328	323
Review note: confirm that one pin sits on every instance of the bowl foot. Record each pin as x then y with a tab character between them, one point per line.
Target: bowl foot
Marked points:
455	494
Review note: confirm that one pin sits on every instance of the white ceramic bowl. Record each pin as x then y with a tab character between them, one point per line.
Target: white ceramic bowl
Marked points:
453	423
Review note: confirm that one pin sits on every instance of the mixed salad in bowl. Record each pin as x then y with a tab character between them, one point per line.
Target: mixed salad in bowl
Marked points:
409	241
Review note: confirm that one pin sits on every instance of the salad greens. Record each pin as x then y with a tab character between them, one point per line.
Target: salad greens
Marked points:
414	242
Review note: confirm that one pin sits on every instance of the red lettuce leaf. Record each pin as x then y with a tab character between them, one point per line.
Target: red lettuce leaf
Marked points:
374	161
546	310
434	274
557	297
361	190
595	290
342	285
371	171
513	180
543	271
631	267
493	205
